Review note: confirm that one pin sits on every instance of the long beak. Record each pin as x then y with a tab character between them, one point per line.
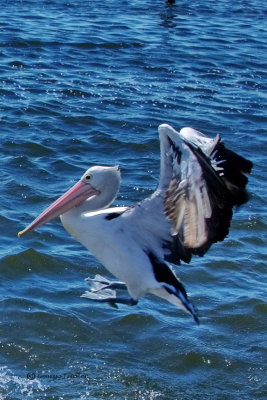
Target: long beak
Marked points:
72	198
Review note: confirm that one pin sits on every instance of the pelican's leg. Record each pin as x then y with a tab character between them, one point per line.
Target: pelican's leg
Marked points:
109	296
120	300
101	290
99	283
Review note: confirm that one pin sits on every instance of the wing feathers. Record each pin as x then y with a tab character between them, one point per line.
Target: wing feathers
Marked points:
206	181
186	202
200	183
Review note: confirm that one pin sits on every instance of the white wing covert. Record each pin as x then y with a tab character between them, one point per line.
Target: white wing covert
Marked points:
186	203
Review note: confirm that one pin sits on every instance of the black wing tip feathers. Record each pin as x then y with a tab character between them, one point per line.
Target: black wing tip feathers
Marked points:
234	170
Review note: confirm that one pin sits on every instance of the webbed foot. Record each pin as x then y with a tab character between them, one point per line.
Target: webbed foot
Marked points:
101	290
109	296
99	283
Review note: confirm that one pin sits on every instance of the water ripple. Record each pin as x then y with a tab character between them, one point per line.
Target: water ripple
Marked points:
89	85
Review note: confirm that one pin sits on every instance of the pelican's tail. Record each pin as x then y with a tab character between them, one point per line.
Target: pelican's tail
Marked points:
170	288
177	297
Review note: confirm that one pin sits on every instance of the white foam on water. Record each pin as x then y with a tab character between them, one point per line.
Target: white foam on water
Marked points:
11	384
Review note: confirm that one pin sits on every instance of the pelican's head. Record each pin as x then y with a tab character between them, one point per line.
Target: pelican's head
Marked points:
100	177
101	182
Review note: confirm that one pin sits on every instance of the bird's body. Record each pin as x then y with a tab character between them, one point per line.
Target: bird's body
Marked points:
200	182
126	255
113	254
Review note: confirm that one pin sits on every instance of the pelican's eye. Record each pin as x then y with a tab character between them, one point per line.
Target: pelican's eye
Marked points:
87	177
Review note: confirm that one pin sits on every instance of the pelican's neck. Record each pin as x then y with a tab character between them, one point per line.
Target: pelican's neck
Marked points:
98	202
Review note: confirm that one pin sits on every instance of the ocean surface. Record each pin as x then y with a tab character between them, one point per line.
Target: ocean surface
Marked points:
88	82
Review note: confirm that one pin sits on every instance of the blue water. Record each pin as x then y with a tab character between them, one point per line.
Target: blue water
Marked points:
88	82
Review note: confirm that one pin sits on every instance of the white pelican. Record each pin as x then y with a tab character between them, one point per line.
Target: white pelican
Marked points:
200	183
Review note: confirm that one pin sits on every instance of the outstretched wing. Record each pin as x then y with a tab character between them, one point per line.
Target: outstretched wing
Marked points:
200	183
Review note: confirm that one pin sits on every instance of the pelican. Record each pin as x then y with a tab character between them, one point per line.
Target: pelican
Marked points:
200	183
